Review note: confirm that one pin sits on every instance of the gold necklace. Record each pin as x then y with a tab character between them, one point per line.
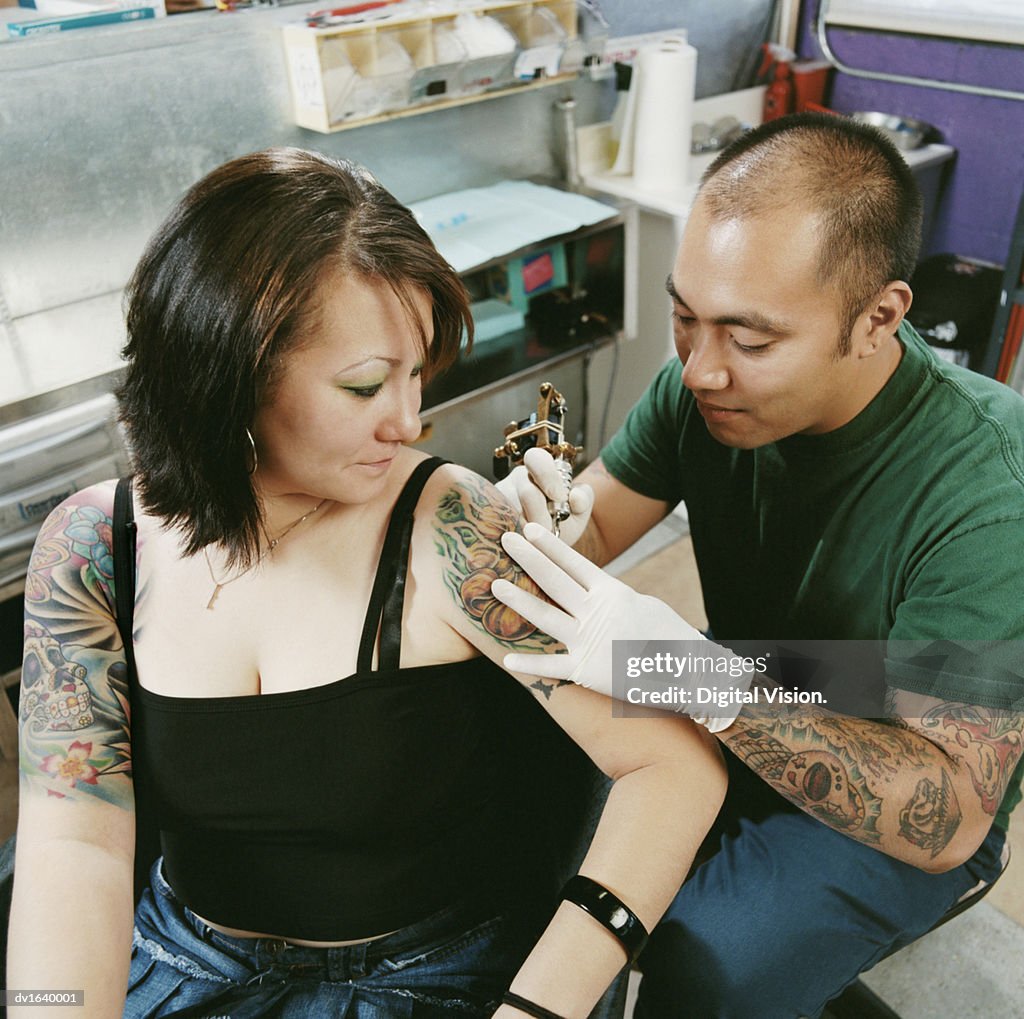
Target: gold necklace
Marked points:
218	585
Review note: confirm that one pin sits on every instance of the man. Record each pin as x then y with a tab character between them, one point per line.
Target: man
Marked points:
842	484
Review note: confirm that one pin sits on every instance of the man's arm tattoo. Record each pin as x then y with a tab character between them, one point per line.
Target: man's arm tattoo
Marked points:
932	815
987	741
848	772
811	770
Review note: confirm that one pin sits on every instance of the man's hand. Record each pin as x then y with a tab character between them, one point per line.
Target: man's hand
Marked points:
591	610
533	486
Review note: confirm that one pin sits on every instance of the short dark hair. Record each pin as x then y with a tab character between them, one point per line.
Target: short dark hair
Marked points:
851	175
214	305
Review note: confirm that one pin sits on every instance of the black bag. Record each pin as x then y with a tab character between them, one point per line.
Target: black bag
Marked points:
955	302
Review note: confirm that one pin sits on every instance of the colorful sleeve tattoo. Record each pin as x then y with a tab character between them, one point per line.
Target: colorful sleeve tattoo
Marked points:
468	525
74	714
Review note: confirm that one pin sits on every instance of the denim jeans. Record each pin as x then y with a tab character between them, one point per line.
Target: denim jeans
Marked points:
787	912
445	966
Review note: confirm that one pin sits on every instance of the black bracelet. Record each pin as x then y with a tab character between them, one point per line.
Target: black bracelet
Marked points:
508	998
608	910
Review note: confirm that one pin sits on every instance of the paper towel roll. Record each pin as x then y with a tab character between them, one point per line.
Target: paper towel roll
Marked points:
664	115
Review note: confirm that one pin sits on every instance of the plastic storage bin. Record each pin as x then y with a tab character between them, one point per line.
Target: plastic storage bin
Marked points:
542	40
439	57
490	52
384	73
348	68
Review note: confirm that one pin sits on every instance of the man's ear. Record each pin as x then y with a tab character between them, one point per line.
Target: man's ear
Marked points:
882	318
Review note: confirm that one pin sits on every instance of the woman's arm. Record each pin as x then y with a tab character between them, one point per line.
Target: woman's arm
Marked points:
668	777
71	914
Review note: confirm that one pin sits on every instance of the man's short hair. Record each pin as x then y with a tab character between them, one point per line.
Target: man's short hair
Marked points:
850	175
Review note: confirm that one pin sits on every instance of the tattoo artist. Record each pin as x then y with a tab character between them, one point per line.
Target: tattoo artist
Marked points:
842	484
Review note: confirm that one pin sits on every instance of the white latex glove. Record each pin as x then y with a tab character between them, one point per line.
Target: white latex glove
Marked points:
591	610
534	485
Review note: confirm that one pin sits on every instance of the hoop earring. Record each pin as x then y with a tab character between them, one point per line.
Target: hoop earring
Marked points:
255	457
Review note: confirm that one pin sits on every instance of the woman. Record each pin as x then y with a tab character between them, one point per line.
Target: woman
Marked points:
355	809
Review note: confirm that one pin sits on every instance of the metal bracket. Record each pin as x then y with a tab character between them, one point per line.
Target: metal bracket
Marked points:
821	30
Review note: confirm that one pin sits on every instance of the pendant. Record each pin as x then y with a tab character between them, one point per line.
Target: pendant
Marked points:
213	597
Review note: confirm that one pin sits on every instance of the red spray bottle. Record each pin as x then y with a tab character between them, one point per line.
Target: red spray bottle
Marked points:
779	97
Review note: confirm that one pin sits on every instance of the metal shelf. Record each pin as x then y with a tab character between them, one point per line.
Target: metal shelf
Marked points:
58	399
12	589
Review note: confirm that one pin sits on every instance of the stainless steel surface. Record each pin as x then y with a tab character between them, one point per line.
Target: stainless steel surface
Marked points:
716	136
14	589
58	399
904	132
566	109
700	138
560	507
51	447
104	130
534	371
725	130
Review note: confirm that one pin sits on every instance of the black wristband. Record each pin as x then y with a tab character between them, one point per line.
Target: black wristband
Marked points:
608	910
508	998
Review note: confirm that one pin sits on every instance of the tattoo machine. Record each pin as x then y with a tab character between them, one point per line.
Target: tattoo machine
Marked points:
543	429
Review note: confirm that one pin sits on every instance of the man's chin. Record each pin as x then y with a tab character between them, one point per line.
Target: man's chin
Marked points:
735	436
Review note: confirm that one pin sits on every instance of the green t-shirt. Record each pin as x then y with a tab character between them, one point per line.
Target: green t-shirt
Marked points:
906	524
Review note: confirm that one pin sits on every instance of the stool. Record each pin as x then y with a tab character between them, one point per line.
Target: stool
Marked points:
858	1001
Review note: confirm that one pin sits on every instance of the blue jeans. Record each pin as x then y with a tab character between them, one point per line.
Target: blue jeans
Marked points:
786	913
445	966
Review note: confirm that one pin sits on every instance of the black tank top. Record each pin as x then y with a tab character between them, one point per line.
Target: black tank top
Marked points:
354	808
